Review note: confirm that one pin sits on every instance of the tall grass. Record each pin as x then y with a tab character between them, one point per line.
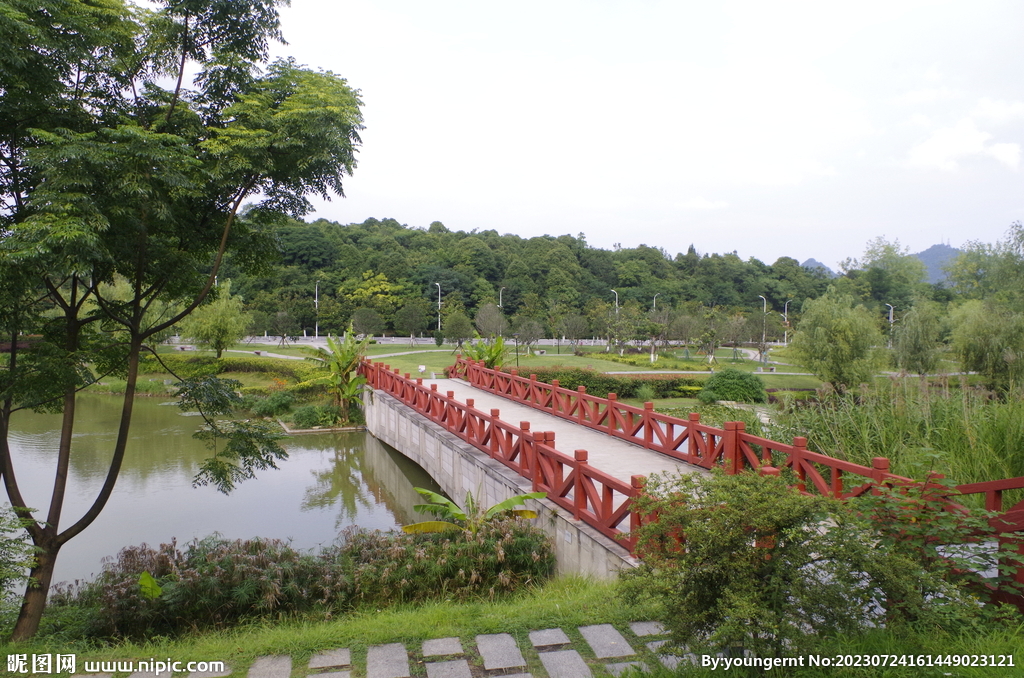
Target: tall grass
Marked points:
965	433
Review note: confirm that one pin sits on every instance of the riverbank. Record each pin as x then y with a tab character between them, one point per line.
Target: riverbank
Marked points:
565	603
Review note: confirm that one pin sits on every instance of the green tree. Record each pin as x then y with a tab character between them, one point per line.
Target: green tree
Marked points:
113	175
457	328
367	322
988	338
219	323
917	341
412	318
490	321
837	340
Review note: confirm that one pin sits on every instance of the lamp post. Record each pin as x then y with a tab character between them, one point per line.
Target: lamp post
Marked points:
616	303
516	337
890	324
764	330
655	306
785	320
316	304
438	306
499	297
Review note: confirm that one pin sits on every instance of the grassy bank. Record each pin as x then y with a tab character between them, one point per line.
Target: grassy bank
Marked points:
567	603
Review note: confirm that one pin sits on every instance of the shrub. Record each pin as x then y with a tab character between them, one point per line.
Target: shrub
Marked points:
273	405
600	384
645	392
216	581
757	573
730	384
309	416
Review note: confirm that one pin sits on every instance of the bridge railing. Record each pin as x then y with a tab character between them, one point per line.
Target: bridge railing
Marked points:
730	447
591	495
605	502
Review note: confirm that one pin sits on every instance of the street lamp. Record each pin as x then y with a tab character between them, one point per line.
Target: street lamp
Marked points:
616	303
499	297
764	330
438	306
316	303
655	306
890	324
516	337
785	320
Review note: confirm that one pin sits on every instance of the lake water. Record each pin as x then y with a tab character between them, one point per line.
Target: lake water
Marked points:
329	482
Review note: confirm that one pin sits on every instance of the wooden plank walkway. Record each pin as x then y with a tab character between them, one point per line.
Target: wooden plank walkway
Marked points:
615	457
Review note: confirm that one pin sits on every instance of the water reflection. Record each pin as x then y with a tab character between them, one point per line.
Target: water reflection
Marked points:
329	481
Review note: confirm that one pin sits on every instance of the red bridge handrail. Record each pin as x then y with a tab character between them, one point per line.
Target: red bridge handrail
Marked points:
604	502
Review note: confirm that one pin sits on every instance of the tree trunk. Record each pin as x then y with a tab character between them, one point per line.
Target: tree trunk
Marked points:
41	574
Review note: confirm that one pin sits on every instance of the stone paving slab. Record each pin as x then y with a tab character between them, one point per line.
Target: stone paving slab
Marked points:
278	666
454	669
548	637
438	646
647	628
565	664
331	659
619	668
387	661
606	641
499	651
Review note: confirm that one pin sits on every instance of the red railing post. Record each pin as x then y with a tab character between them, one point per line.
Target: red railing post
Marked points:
648	425
797	462
580	392
579	494
528	455
636	482
613	400
692	433
731	447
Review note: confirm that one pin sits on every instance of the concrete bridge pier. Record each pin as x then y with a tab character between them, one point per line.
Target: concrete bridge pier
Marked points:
458	468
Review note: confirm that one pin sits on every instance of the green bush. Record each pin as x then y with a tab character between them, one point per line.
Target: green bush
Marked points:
757	573
15	558
600	384
730	384
309	416
273	405
214	581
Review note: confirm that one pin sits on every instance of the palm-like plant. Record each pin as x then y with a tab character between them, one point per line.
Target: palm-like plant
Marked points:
472	517
493	354
340	359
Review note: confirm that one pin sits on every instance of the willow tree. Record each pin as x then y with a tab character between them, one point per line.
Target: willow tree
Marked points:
109	175
838	340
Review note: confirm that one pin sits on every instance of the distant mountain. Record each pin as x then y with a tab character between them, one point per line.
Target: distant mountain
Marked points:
814	263
934	258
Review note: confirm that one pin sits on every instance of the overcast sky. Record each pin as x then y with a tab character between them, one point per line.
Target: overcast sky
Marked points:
773	129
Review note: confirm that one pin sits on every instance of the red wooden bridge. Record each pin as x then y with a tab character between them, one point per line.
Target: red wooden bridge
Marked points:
602	497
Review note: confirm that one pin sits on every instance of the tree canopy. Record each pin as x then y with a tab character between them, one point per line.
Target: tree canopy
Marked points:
121	196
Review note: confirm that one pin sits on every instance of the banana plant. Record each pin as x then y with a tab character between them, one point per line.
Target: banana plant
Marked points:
472	517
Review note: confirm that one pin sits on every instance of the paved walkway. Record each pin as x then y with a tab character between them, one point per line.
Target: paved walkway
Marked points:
546	653
605	453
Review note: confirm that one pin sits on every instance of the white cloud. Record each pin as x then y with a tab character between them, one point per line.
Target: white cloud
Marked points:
700	203
998	111
949	145
1008	154
929	95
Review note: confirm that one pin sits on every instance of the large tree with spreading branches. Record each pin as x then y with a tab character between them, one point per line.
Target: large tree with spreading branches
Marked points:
121	187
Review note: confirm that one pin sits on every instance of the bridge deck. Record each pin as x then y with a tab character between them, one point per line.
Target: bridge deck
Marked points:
611	455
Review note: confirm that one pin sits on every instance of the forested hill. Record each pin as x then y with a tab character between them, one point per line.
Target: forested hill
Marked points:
384	266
